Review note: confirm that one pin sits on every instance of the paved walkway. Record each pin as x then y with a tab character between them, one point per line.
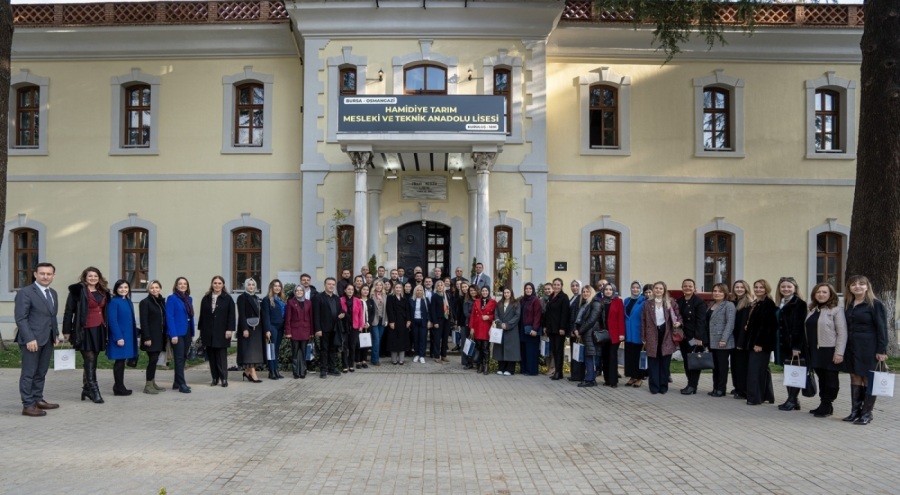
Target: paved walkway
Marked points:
432	428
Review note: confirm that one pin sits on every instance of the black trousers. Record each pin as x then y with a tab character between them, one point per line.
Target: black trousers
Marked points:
179	354
327	352
739	370
558	350
829	384
759	378
152	358
693	376
298	356
720	368
610	363
633	361
218	362
576	368
119	374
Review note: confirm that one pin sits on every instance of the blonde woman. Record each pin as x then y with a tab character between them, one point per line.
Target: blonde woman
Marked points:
273	305
742	297
866	345
660	318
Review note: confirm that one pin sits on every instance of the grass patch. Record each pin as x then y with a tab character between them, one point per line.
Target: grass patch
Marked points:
12	358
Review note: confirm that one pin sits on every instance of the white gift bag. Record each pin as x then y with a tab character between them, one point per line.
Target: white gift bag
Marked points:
881	383
469	348
578	352
64	359
365	340
545	347
496	335
794	376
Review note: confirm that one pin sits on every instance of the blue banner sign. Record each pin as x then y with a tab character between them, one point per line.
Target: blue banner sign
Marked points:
479	114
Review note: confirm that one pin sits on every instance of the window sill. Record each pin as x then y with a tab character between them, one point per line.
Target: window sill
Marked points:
247	150
719	154
830	156
605	152
133	151
28	152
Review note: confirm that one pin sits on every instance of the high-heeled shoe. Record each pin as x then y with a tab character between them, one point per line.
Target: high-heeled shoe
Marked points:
224	383
214	382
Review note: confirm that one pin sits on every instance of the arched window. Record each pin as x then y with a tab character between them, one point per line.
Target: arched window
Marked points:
246	257
248	114
829	259
425	79
135	257
828	121
28	106
25	256
503	239
137	116
605	256
502	87
718	256
716	119
344	240
348	81
604	119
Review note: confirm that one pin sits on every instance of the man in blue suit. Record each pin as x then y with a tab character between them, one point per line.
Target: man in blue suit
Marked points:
38	331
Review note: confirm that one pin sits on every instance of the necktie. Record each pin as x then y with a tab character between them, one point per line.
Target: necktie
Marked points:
477	279
49	297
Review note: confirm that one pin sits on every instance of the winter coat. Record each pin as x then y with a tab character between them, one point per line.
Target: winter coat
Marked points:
693	318
178	324
75	315
481	328
831	329
298	319
589	324
153	323
122	326
509	349
214	323
762	325
721	326
792	328
397	313
650	334
633	320
556	315
614	319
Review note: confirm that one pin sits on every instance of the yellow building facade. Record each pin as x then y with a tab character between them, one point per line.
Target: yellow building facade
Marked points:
207	139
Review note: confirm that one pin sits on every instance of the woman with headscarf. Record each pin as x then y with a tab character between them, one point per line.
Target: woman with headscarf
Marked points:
530	324
471	295
633	345
576	368
251	338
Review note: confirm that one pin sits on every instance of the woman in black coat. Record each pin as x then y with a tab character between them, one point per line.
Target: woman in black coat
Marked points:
762	327
153	332
84	324
866	344
742	297
791	331
396	333
556	324
251	339
216	325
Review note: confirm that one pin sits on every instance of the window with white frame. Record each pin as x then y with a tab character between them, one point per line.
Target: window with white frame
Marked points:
135	114
132	251
248	107
29	106
605	108
831	118
719	116
24	245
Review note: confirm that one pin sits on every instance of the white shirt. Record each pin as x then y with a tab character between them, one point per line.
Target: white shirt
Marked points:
417	315
44	290
660	313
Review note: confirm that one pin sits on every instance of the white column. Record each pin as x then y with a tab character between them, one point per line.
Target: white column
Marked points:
360	161
471	186
484	162
376	184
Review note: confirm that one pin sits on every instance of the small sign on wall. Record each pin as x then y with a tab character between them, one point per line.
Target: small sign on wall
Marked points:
423	188
561	266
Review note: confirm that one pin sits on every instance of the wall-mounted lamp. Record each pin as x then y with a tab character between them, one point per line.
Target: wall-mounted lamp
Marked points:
470	76
380	76
391	175
456	175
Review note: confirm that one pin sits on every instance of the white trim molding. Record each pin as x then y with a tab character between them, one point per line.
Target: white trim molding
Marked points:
335	64
735	88
624	249
737	245
115	250
227	229
22	79
607	77
425	55
502	220
830	225
458	233
846	90
7	293
503	61
117	119
229	83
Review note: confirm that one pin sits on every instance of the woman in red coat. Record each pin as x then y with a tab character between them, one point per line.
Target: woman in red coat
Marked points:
298	327
613	320
480	323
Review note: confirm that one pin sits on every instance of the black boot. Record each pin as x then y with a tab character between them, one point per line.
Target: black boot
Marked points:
866	411
93	391
792	403
857	394
824	410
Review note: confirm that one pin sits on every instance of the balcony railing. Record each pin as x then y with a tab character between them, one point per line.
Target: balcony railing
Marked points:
129	14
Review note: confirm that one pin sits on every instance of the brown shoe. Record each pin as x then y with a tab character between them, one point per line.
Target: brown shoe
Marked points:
34	412
630	382
46	405
638	383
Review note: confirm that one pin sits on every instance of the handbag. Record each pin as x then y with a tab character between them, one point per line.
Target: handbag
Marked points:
881	382
810	390
310	351
365	340
601	337
677	335
699	360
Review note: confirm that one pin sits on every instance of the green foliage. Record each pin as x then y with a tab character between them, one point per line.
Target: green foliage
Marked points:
678	21
11	357
373	265
337	220
472	271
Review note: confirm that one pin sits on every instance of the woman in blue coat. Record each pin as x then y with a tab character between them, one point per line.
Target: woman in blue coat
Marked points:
180	328
634	305
123	342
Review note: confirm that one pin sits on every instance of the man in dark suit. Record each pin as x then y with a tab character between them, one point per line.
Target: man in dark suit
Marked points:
36	308
327	315
309	289
481	280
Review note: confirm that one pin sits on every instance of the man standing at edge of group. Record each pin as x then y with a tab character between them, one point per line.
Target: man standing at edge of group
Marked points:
36	308
327	314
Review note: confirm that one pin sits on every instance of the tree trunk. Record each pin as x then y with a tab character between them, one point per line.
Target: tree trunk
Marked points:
6	34
875	226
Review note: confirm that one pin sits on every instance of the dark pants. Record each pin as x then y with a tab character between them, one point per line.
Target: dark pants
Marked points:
658	367
443	335
327	353
436	334
119	375
277	334
362	353
218	362
576	368
759	378
739	370
179	354
531	350
152	358
348	349
610	361
829	384
558	350
720	369
693	376
34	373
298	356
482	352
633	361
419	329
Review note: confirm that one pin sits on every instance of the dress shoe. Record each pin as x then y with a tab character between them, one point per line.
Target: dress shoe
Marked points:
752	403
33	411
587	384
364	366
214	382
572	379
46	405
376	364
185	389
716	393
224	383
688	390
322	375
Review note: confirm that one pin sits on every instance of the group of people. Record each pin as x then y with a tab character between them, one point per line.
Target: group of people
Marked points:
741	327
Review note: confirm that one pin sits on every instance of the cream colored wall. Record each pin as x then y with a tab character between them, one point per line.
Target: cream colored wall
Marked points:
190	118
662	120
379	55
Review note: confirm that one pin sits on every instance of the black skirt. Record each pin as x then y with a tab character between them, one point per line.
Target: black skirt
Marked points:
94	340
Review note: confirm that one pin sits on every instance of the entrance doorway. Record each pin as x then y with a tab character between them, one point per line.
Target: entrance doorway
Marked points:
425	244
